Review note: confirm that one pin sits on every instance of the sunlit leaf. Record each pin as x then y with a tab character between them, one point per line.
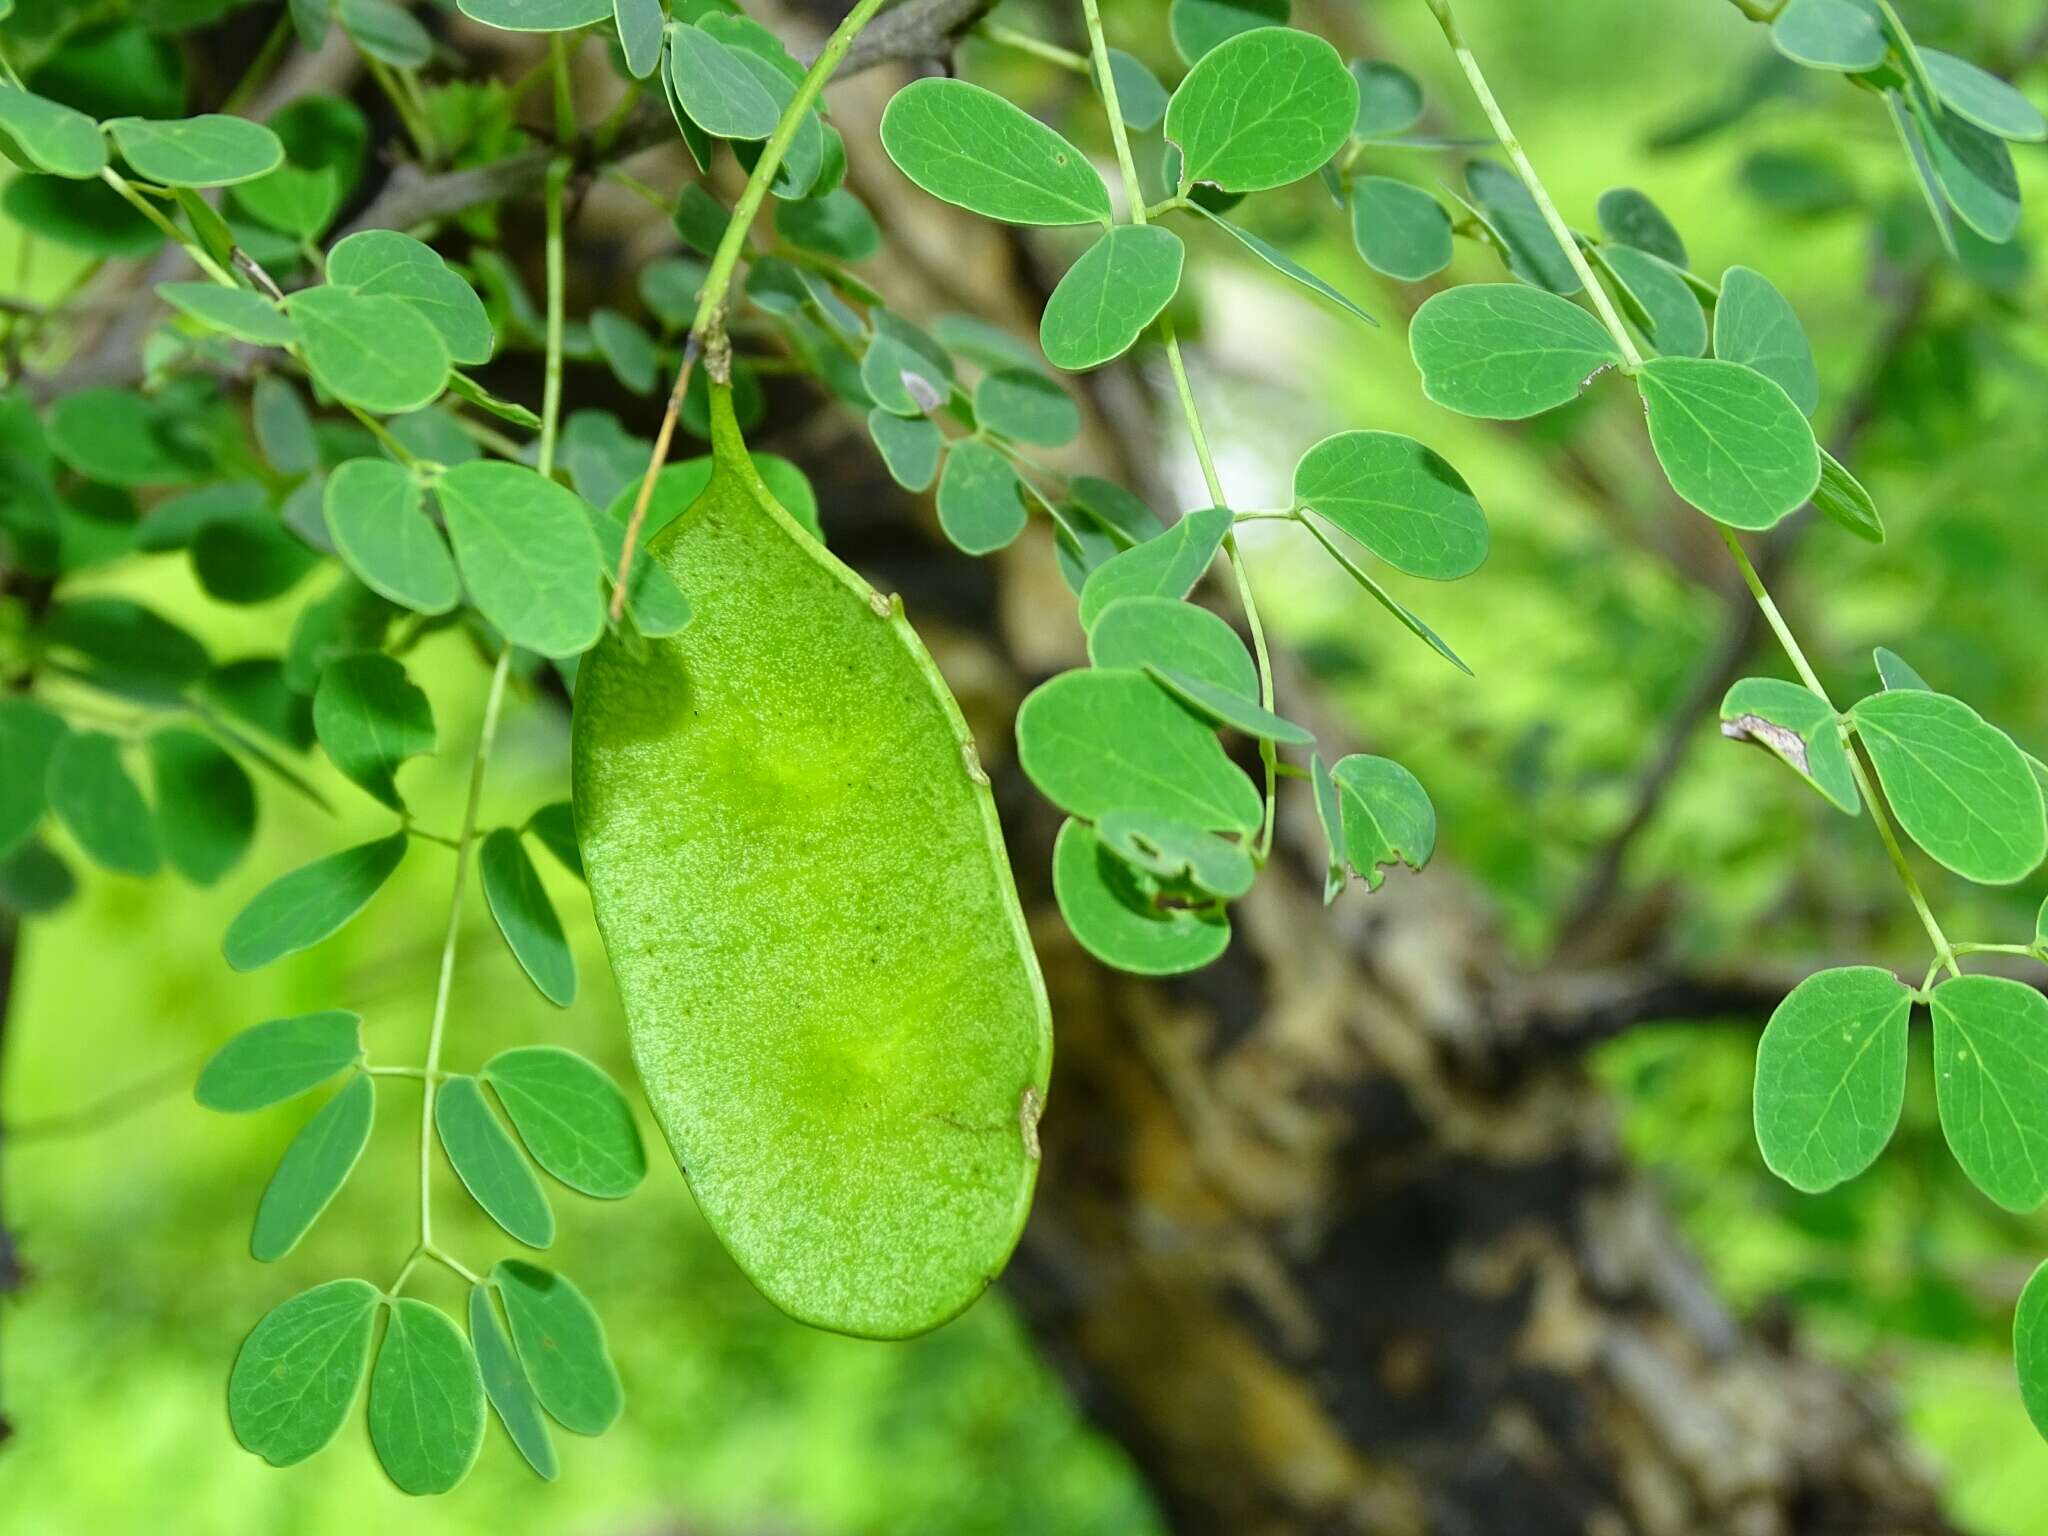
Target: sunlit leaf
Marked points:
1831	1075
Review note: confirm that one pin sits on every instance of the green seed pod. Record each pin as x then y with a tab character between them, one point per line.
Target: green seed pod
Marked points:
800	879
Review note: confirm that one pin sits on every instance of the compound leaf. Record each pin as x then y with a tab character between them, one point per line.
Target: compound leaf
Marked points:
51	136
980	498
1830	34
1399	230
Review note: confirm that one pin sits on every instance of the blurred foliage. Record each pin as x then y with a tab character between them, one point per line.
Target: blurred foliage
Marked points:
1590	621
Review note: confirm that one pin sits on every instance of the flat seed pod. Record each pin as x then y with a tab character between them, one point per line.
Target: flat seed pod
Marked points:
796	867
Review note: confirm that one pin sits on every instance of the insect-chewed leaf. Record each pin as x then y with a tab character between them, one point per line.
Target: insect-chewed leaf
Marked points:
1796	725
1389	99
716	87
910	447
1261	109
213	150
1962	790
1753	324
524	915
528	554
1166	565
883	1062
1226	707
1973	169
1106	299
1979	97
1330	814
1831	1075
313	1169
1841	498
572	1118
1830	34
1024	404
206	806
1106	739
100	805
371	350
1116	913
371	717
980	499
373	512
562	1345
426	1400
1503	351
969	147
51	136
1526	240
29	736
1658	299
536	15
505	1384
1197	26
1397	498
299	909
1399	230
1991	1084
1628	217
1173	850
244	315
490	1164
297	1374
2030	1347
383	262
1138	632
1386	815
1284	264
279	1060
1732	442
640	27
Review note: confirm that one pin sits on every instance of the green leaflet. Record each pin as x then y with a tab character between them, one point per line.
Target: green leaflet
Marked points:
1796	725
1753	324
1895	672
374	513
1659	300
29	735
1973	168
1261	109
1134	633
878	1060
1139	96
528	554
900	379
562	1345
716	86
489	1163
1841	498
372	350
293	200
1023	404
639	23
1399	230
1830	34
386	31
652	601
383	262
980	498
1106	299
1991	1084
1731	441
1527	242
1387	817
82	215
1104	740
1173	851
524	915
1166	565
52	136
1389	100
536	15
370	717
279	1060
1330	815
212	150
1981	98
120	438
505	1384
1383	597
206	806
1225	706
299	909
554	826
93	795
1831	1075
284	432
1284	264
626	349
1397	498
1197	26
969	147
297	1374
2030	1347
1113	910
126	646
1628	217
1504	351
1961	789
426	1399
244	315
572	1118
837	225
313	1169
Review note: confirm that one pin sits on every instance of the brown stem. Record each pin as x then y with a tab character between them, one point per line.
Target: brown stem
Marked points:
655	460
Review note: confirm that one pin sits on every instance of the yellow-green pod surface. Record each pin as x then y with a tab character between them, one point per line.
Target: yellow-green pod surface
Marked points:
800	880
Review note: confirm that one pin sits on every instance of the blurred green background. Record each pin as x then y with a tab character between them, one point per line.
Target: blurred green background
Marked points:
1588	623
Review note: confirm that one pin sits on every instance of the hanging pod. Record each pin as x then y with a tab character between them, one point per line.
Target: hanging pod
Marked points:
801	883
